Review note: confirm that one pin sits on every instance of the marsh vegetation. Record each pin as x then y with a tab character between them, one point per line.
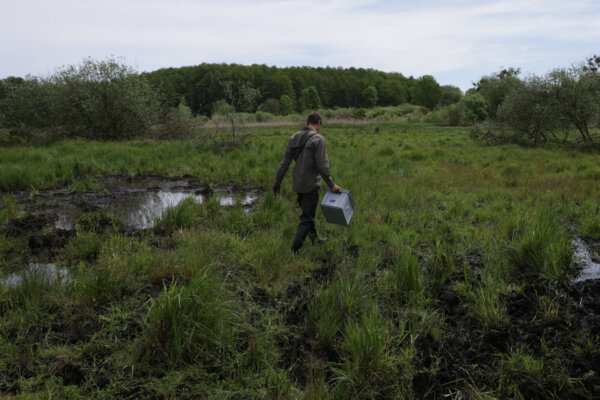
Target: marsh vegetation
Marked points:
457	277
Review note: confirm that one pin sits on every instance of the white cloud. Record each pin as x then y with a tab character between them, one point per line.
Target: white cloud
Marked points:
415	38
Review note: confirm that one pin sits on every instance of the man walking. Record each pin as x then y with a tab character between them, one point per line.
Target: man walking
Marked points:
307	148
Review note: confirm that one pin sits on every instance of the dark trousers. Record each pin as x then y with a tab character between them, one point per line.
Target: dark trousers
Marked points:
308	203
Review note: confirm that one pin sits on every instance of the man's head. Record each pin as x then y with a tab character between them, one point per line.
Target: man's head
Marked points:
314	120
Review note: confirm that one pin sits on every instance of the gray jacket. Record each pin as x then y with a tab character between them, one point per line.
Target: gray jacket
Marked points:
311	165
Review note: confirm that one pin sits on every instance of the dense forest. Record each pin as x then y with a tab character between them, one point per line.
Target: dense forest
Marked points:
297	88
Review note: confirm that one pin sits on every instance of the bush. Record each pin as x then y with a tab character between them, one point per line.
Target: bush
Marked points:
96	99
270	106
178	123
264	116
377	114
359	113
475	107
490	133
456	114
437	117
529	112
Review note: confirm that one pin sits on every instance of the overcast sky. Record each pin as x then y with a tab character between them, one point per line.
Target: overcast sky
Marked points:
456	41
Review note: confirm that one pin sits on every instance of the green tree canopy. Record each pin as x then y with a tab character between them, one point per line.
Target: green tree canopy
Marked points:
496	86
286	104
309	99
369	97
451	95
427	92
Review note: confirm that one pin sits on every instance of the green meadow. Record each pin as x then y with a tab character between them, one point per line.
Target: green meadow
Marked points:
452	281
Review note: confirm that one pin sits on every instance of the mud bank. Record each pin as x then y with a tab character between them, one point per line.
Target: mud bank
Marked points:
136	201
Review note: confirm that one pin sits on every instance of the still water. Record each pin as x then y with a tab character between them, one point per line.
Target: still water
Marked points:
47	274
140	209
586	260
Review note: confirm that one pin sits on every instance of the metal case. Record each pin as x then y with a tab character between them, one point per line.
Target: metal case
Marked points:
338	208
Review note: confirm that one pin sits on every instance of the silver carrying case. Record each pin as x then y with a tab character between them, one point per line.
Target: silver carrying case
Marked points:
338	208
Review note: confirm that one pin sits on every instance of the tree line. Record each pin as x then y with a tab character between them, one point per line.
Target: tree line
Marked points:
107	99
296	89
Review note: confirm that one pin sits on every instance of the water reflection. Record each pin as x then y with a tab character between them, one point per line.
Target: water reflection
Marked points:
585	259
140	209
44	273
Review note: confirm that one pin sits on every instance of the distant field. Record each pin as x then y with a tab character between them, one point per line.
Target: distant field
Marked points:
453	280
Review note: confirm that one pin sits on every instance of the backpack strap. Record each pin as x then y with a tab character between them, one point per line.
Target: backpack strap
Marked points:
303	145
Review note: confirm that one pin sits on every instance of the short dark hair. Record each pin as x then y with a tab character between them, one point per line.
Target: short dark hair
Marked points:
313	118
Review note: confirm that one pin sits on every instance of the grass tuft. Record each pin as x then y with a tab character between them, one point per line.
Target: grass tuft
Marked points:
187	323
541	250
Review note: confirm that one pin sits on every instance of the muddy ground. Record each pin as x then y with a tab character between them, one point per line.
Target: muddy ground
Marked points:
465	353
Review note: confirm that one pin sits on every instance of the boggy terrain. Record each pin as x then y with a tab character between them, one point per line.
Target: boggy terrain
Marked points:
457	278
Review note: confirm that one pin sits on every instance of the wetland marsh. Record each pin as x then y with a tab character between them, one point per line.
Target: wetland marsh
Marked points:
461	275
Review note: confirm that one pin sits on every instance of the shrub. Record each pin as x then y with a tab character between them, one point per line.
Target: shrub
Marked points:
376	114
437	117
576	94
456	114
264	116
475	107
178	123
359	113
491	133
528	111
96	99
270	106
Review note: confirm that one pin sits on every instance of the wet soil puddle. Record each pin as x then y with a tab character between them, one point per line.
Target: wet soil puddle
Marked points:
44	273
586	260
138	202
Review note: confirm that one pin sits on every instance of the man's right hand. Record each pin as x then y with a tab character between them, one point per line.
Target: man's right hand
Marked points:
276	189
336	189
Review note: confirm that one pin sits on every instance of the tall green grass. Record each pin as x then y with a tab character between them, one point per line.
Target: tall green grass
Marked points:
540	249
188	322
404	282
345	299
